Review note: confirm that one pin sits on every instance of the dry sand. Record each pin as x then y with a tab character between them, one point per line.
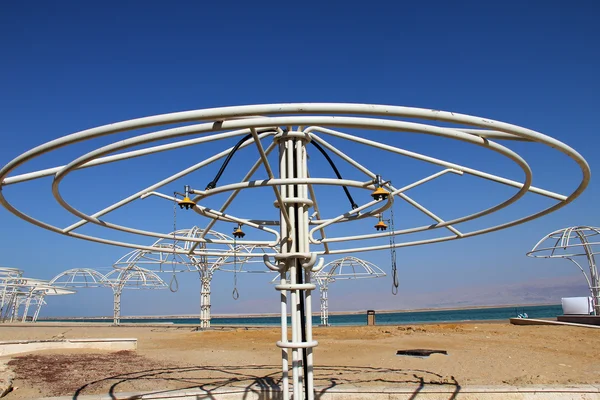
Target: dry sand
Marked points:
177	357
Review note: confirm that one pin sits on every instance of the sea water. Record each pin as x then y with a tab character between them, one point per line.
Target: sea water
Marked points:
382	318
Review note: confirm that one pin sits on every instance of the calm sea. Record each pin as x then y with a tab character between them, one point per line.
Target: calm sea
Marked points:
482	314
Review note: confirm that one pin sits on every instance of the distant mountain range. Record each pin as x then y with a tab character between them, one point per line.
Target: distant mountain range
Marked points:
541	291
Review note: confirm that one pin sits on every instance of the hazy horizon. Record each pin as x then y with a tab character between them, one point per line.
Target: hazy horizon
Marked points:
544	291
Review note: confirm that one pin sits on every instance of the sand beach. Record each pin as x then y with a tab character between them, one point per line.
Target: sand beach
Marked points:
174	357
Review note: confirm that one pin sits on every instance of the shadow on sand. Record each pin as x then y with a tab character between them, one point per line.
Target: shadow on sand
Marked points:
263	381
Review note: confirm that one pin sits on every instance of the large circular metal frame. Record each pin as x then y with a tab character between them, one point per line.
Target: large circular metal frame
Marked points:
301	237
266	120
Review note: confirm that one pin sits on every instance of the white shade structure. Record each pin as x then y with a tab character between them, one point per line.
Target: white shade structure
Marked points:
578	244
7	275
291	238
79	278
132	277
346	268
22	291
6	272
172	256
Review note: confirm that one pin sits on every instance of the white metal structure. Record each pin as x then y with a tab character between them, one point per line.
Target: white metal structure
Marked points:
345	268
132	277
7	275
576	242
164	259
38	302
298	236
25	292
38	298
82	278
79	278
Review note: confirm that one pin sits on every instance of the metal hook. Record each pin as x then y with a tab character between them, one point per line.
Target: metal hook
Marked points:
311	261
269	264
235	294
319	266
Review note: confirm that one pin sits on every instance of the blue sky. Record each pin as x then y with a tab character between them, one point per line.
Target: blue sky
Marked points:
68	66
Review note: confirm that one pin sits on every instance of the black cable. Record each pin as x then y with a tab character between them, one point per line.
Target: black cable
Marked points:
300	279
213	183
337	173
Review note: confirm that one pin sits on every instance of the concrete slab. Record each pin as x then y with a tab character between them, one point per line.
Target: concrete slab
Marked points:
429	392
532	321
580	319
24	346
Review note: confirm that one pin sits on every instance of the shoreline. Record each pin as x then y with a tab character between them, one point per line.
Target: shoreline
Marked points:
315	314
264	327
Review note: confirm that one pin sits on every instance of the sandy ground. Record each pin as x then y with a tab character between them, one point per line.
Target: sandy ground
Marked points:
175	358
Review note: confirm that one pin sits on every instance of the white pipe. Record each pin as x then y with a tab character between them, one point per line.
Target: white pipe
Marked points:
267	166
234	194
129	199
219	215
110	159
291	267
495	146
285	230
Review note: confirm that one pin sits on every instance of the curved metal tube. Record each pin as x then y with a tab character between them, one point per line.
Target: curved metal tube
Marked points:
337	173
269	264
212	184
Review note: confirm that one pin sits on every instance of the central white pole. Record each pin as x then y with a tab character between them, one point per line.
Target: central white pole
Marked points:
291	264
285	246
205	280
117	306
324	303
294	259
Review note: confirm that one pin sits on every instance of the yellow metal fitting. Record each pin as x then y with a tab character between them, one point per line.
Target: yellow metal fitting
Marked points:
381	226
238	233
380	194
186	203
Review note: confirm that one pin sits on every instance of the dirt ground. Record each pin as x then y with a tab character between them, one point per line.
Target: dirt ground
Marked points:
178	357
